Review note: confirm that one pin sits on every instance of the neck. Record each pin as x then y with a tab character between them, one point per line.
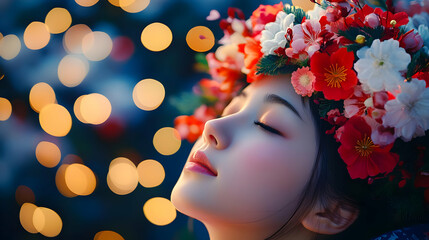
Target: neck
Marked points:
252	232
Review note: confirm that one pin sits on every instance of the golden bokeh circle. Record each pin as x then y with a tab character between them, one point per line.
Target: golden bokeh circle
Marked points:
156	37
200	39
122	177
36	35
133	6
72	40
10	46
306	5
72	70
55	120
86	3
5	109
60	181
148	94
26	217
159	211
58	20
97	45
47	222
41	94
48	154
80	179
151	173
108	235
95	108
167	141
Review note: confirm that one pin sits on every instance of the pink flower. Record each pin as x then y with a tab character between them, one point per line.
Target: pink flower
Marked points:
372	20
303	81
306	36
411	41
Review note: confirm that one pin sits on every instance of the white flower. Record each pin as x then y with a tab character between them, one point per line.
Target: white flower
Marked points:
380	65
273	37
409	112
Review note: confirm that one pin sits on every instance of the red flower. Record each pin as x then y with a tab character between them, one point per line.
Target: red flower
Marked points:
411	41
189	127
252	55
334	74
264	14
362	156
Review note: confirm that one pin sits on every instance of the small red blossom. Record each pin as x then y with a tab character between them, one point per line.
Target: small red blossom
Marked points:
334	74
303	81
362	156
264	14
189	127
411	41
226	72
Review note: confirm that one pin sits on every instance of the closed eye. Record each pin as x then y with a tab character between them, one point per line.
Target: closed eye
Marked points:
268	128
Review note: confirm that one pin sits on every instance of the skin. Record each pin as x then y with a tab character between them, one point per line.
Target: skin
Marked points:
261	174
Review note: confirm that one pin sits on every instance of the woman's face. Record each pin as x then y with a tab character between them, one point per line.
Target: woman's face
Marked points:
262	152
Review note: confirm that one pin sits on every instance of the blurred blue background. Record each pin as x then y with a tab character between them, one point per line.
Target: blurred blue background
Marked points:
127	133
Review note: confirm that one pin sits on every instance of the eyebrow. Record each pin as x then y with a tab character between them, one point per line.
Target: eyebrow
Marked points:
272	98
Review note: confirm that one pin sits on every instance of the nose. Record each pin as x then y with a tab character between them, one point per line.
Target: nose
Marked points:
216	133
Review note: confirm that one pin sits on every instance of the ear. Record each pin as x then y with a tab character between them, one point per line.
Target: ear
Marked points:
330	220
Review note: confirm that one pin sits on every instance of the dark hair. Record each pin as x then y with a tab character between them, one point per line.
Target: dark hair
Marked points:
330	182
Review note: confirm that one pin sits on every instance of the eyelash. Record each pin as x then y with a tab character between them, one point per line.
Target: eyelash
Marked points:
268	128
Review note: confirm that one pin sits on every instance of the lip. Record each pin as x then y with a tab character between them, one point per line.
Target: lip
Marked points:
198	162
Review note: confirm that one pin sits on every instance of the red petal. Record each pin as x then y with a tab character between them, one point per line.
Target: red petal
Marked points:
349	155
372	168
386	162
358	169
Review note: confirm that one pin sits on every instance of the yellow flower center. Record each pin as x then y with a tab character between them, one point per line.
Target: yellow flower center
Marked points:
304	80
364	147
335	75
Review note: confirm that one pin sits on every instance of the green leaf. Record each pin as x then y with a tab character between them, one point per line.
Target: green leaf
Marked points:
419	62
298	12
327	105
275	65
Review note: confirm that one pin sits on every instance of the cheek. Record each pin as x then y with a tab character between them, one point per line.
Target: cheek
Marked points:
269	174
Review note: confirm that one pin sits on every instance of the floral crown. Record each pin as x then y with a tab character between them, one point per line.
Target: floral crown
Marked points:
366	68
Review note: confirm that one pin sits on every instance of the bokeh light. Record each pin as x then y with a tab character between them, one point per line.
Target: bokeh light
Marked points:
80	179
151	173
122	177
24	194
76	109
5	109
304	4
47	222
167	141
200	39
36	35
156	37
10	46
58	20
72	40
60	181
159	211
97	45
48	154
148	94
26	217
114	3
41	95
95	108
133	6
72	158
72	70
86	3
123	49
55	120
108	235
